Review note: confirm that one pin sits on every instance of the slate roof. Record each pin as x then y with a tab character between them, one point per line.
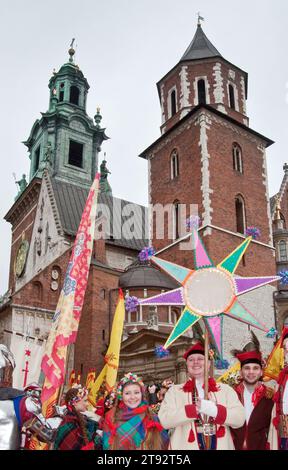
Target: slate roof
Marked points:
146	275
70	200
200	47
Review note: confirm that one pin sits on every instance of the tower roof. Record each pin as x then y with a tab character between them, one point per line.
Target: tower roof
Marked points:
200	47
141	274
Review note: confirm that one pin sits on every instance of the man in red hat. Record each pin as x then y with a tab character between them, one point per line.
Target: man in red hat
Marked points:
197	423
279	427
256	397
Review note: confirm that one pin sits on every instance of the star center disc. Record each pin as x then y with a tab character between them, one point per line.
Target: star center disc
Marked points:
209	291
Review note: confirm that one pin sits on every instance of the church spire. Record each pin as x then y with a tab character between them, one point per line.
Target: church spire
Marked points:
200	46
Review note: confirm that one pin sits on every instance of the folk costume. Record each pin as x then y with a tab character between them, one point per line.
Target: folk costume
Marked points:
190	429
127	428
76	431
10	399
258	404
279	426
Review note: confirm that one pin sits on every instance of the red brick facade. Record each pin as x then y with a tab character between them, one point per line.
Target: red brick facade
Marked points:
207	69
204	143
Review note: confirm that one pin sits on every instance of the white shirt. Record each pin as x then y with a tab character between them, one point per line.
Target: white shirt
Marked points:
200	389
249	407
285	399
208	407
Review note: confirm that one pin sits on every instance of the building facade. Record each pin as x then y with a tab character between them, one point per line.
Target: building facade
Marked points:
207	160
212	162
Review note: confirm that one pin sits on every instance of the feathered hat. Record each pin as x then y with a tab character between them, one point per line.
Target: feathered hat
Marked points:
250	354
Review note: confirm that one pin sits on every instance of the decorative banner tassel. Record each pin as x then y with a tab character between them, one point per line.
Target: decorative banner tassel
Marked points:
284	277
271	333
253	232
161	352
191	437
220	431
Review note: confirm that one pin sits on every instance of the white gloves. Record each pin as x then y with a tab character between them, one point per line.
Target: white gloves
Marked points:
208	408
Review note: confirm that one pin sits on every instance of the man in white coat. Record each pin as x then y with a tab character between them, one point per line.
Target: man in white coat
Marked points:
196	423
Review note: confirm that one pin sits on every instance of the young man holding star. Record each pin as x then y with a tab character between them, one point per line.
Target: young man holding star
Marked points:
198	423
256	397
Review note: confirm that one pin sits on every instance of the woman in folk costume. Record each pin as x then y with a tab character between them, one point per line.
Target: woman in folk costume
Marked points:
76	432
199	424
256	398
130	424
279	425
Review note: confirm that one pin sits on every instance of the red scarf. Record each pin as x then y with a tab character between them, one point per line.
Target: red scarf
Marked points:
257	395
190	385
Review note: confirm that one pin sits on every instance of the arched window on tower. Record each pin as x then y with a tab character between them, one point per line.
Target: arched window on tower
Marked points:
37	159
201	88
173	103
237	158
176	217
240	214
174	316
61	92
174	164
231	96
282	250
74	94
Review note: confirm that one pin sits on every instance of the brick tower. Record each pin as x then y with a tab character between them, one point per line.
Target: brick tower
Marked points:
207	155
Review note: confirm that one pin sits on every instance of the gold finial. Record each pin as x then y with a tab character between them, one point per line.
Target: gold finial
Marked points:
98	110
71	50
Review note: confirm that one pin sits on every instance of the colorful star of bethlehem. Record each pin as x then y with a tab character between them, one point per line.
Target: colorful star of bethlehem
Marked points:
209	292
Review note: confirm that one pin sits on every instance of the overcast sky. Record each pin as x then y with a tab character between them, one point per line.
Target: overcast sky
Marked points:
123	48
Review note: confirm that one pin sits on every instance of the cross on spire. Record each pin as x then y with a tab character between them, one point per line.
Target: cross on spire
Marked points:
71	50
200	18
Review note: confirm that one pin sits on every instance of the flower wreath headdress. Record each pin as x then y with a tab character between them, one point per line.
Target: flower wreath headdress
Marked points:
128	378
82	392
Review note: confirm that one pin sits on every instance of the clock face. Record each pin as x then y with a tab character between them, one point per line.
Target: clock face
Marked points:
54	285
54	274
21	258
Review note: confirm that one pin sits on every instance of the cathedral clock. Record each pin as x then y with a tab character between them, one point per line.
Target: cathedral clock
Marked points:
21	258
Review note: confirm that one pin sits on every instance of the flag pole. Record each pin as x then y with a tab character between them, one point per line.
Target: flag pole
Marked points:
63	384
206	365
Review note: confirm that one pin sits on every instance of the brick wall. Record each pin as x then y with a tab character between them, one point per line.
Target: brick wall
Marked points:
217	74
